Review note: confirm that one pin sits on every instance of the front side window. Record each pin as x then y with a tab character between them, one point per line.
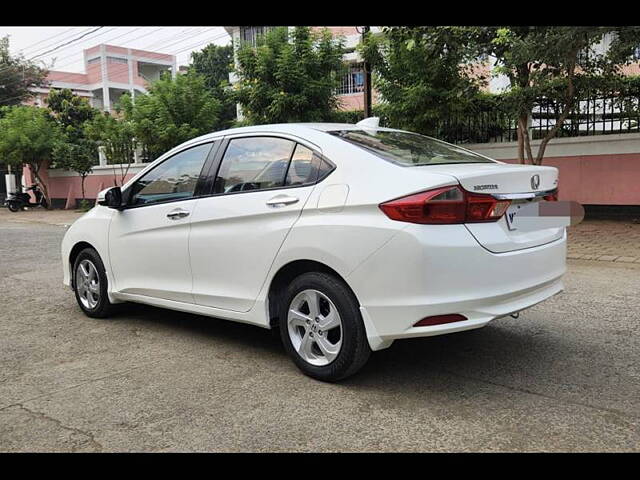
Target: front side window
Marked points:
408	149
254	163
174	179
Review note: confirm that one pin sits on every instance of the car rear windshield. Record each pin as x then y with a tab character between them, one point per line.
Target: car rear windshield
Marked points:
408	149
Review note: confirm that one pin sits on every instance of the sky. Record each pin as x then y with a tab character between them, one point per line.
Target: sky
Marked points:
35	42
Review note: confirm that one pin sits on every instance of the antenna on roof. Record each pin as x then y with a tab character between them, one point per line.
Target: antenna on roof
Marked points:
371	122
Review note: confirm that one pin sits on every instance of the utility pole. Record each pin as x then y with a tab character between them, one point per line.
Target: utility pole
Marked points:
367	81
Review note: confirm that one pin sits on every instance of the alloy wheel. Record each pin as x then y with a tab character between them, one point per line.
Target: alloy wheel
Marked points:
315	327
88	284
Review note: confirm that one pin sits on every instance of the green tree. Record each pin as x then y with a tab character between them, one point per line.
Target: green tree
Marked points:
71	112
117	138
174	111
76	152
556	65
17	76
289	77
424	75
214	63
79	156
28	136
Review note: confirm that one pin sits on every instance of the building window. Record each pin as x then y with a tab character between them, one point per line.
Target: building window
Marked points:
251	34
93	60
116	60
352	80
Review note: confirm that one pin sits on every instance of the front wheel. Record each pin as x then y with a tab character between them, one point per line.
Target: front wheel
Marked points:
13	207
321	327
90	284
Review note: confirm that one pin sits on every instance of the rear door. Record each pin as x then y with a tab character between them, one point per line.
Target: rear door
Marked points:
525	185
259	186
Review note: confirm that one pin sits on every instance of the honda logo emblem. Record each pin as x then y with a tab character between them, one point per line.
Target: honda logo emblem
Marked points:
535	181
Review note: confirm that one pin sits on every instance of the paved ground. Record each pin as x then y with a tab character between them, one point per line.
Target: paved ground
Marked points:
564	376
40	215
605	240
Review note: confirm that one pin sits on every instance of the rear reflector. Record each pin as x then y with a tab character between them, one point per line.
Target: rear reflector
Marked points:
440	319
445	205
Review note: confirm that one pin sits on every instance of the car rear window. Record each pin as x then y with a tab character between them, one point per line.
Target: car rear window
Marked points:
408	149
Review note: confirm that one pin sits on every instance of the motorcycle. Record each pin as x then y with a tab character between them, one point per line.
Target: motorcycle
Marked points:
18	200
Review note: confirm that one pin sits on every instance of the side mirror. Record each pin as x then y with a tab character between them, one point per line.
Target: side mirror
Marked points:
111	197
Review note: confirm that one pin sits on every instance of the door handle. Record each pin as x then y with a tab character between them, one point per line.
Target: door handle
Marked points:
178	213
282	200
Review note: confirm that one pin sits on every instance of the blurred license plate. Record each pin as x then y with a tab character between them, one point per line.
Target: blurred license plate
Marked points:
522	215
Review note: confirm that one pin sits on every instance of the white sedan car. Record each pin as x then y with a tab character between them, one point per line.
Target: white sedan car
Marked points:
345	237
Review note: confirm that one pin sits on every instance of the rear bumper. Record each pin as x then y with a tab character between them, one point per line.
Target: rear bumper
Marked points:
425	271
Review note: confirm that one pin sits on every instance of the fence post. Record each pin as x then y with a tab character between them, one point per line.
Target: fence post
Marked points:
102	157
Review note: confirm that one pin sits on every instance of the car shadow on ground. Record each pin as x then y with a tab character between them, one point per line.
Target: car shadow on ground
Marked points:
501	349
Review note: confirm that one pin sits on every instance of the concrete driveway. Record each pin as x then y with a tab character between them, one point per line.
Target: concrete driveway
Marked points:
565	376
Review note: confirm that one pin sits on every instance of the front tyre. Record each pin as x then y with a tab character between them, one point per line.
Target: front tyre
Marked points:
321	327
13	206
90	284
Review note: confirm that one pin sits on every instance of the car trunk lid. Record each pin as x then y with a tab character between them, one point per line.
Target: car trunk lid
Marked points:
521	226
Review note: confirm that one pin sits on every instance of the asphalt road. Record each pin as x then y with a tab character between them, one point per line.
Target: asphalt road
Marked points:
565	376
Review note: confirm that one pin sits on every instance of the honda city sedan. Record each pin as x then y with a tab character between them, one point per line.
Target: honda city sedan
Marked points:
344	237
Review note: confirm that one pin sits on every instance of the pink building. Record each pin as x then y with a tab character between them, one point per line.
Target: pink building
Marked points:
110	71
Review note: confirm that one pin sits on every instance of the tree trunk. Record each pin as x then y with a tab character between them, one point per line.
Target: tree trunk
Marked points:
520	145
43	186
524	133
569	99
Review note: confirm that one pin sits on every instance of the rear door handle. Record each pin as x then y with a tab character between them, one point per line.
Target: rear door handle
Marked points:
282	200
177	213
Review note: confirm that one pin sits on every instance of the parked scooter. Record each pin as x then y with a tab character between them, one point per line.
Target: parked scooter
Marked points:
17	201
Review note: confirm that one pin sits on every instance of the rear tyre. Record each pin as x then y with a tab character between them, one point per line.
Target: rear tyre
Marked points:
90	284
321	327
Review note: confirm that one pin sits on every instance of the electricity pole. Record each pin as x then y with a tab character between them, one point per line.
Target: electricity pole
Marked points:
367	81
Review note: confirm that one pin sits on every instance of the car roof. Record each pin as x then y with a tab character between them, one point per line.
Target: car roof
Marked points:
292	128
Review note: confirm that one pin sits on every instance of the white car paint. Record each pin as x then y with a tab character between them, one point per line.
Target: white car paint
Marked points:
221	259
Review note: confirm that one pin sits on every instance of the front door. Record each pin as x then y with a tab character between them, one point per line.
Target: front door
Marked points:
148	240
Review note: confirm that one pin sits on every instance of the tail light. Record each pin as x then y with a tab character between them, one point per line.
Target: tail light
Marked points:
552	197
445	205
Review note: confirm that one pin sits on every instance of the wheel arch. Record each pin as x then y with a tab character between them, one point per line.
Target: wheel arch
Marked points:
287	273
73	254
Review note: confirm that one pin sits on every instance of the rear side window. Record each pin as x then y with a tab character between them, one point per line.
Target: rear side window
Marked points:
253	163
304	166
408	149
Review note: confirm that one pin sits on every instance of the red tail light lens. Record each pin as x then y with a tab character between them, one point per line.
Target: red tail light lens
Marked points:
552	197
445	205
